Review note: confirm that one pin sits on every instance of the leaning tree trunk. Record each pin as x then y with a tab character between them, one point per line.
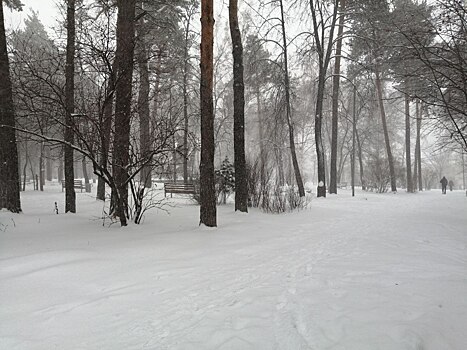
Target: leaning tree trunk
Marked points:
123	91
296	168
408	160
208	210
9	174
379	91
241	183
335	102
70	195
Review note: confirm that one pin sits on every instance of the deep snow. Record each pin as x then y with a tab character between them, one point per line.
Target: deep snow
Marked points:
372	272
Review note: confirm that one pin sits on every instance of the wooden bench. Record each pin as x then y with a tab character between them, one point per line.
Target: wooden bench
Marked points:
342	185
178	188
76	184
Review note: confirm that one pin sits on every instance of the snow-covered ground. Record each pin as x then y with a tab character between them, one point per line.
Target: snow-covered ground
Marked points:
372	272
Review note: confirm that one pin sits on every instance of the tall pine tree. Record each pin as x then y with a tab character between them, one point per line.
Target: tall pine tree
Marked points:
9	174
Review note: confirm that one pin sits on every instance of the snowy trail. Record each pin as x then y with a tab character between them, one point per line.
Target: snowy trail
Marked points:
373	272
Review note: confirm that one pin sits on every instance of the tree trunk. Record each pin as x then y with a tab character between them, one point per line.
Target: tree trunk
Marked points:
360	160
61	163
70	195
106	127
418	153
48	164
186	67
124	61
157	84
9	177
143	106
321	190
335	102
298	176
408	160
41	167
85	171
379	91
208	215
262	155
24	171
280	177
174	145
241	184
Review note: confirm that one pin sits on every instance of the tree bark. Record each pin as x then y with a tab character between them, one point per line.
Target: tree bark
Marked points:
379	91
418	153
360	160
208	210
48	164
335	102
143	106
186	67
70	195
124	61
296	168
241	184
26	160
321	190
60	165
41	167
106	129
408	160
262	153
9	174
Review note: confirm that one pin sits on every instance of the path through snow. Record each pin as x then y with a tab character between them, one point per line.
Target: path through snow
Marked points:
372	272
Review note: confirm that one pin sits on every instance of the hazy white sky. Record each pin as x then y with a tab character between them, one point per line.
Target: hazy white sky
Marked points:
47	10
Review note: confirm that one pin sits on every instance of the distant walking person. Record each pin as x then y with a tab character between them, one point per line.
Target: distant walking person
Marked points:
444	183
451	185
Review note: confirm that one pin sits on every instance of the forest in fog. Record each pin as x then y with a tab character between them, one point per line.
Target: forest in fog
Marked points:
263	102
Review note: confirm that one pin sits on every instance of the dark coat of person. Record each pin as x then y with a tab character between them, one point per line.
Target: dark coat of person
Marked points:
444	183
